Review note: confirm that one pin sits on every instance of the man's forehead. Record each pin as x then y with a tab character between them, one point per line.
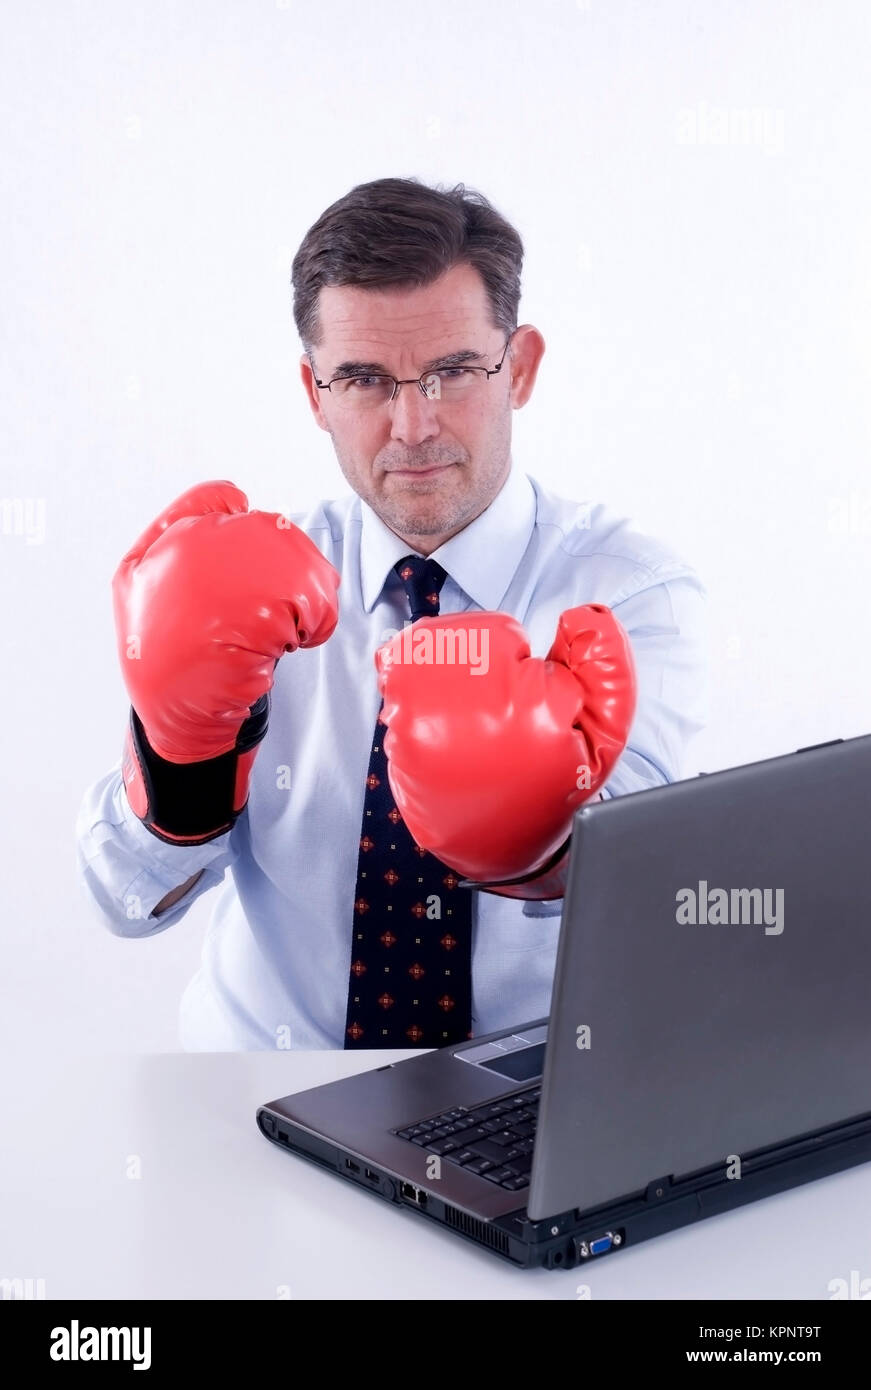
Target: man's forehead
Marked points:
419	317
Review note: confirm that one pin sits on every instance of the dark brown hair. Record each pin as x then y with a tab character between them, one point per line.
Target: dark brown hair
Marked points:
399	233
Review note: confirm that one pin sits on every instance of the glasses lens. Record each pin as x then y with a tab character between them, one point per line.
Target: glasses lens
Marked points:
453	383
361	392
370	392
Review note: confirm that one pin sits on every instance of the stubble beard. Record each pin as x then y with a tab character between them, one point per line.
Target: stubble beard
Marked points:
413	513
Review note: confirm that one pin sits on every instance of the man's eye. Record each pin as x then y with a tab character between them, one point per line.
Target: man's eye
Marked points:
452	373
365	382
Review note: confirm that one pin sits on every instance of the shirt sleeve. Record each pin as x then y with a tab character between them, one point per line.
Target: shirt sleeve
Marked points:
665	621
126	870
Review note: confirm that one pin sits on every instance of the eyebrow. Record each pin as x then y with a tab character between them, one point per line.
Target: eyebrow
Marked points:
447	359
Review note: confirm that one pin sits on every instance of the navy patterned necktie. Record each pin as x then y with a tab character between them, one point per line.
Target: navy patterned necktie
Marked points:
411	954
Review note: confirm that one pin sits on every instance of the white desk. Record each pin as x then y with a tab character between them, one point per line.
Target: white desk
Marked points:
219	1212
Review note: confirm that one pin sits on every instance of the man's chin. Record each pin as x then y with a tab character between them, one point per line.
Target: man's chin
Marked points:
423	511
407	523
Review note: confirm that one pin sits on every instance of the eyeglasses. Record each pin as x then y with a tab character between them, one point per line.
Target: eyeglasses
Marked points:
367	392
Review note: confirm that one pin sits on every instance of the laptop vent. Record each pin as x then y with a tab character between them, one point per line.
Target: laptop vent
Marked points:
478	1230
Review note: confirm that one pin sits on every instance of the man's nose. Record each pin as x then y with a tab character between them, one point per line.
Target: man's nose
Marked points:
414	415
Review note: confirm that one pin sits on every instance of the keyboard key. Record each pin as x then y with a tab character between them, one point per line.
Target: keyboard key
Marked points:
497	1152
505	1137
492	1112
463	1156
479	1165
514	1184
442	1146
473	1134
498	1175
524	1128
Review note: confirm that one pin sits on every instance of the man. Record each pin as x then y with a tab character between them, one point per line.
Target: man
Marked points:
348	918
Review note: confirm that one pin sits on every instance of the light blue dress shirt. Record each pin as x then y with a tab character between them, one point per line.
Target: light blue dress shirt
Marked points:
276	958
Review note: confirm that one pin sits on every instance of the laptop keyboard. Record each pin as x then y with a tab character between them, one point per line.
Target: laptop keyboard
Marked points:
493	1140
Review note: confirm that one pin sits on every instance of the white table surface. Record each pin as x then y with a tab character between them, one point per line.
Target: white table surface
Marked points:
219	1212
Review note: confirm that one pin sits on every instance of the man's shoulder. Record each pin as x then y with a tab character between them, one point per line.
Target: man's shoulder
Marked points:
591	529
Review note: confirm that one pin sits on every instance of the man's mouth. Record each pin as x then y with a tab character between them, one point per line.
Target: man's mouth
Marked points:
421	472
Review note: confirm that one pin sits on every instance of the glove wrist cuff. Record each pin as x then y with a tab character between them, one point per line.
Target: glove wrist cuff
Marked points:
546	882
191	803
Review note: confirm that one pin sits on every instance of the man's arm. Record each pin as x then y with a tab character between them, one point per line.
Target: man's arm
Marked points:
140	884
667	622
177	893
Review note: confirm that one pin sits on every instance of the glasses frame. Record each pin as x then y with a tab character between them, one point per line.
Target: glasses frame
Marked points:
411	380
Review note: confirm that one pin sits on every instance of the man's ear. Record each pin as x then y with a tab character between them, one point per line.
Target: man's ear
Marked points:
311	391
524	359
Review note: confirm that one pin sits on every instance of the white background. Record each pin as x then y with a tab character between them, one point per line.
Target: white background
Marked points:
705	307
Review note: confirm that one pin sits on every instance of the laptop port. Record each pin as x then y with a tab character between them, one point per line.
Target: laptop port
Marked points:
373	1177
354	1167
410	1193
609	1240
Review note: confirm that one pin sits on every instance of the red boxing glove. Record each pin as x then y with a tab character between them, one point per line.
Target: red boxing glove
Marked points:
488	759
206	602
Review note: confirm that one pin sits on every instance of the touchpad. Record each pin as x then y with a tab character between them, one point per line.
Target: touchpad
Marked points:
525	1065
519	1056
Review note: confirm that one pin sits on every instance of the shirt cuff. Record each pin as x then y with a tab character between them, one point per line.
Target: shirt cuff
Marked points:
159	867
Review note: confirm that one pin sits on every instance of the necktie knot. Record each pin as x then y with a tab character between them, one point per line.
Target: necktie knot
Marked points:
422	579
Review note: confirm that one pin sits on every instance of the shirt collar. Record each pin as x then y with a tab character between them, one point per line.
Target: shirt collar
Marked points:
482	558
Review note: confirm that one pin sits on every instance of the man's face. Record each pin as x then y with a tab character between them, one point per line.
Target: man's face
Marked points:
426	466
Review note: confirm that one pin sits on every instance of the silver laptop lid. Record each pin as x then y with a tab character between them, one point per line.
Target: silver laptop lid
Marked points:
712	991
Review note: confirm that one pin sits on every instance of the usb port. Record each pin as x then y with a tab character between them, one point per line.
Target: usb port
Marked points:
354	1167
373	1177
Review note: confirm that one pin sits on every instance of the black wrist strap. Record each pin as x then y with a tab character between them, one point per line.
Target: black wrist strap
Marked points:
192	803
542	872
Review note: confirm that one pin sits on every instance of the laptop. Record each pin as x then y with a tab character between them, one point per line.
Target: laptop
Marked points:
708	1039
